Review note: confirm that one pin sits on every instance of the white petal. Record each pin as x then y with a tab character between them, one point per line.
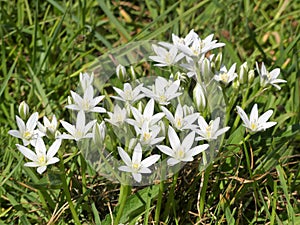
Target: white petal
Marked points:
15	133
32	121
137	154
166	149
31	164
76	97
221	131
52	160
125	168
196	150
53	148
40	146
124	156
243	116
173	138
144	170
137	177
70	128
41	169
27	152
149	108
21	124
202	123
150	160
172	161
264	117
188	141
254	113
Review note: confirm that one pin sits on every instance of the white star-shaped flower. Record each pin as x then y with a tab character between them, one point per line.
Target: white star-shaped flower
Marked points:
267	77
166	57
79	131
41	158
49	128
181	152
136	165
118	117
148	135
27	132
180	120
163	90
225	76
209	131
129	95
88	102
86	80
146	117
255	123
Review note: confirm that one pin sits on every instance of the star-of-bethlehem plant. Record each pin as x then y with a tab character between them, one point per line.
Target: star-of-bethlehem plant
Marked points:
155	121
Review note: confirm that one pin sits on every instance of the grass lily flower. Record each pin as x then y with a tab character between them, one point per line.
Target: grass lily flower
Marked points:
79	131
27	131
267	77
118	117
146	117
129	95
49	128
165	57
86	80
136	165
87	103
255	123
181	152
209	131
163	91
181	121
148	136
225	76
41	158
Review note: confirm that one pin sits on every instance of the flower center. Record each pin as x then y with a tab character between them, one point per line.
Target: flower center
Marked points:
208	131
162	98
180	153
27	135
42	160
253	126
179	122
146	136
168	58
78	134
128	95
86	105
135	166
224	77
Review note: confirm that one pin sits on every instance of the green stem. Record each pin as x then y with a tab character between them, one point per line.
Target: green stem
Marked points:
83	174
67	192
170	201
148	205
159	200
203	189
124	190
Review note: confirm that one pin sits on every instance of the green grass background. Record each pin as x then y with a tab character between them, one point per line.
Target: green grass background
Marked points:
44	45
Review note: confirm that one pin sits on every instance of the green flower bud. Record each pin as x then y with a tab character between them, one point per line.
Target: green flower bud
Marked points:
235	84
251	76
23	110
121	72
99	133
243	73
218	61
199	97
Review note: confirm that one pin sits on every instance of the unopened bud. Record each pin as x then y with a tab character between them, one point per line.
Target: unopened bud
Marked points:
187	110
235	84
199	97
23	110
86	80
206	68
99	133
251	76
243	73
132	73
121	72
218	61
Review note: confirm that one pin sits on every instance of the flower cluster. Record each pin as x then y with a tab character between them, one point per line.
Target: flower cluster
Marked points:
151	122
